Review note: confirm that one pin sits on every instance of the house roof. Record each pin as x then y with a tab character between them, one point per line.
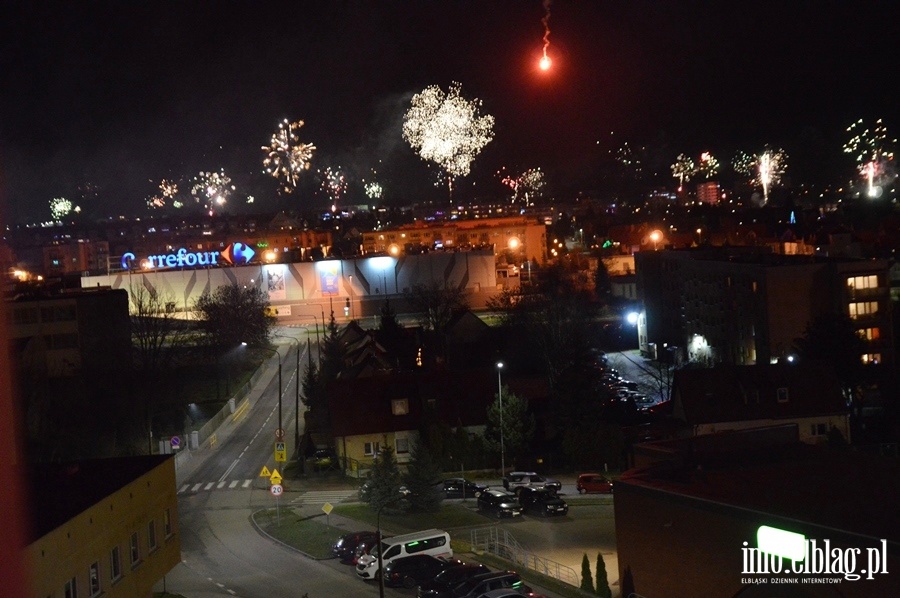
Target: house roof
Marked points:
459	398
745	393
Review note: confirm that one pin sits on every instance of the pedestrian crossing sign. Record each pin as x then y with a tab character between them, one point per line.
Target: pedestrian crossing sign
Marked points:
275	478
265	472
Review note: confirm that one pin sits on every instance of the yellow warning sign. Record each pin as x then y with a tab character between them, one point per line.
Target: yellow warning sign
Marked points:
275	478
280	452
265	472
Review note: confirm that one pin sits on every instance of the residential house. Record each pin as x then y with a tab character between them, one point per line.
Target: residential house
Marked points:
724	398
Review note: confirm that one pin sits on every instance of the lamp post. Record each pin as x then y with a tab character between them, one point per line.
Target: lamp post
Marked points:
404	492
296	397
500	397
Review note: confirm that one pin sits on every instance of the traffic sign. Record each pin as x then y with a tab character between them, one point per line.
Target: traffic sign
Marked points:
275	478
327	508
280	452
279	434
276	489
265	472
175	441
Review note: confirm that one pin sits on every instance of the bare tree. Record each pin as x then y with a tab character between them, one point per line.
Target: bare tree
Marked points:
156	331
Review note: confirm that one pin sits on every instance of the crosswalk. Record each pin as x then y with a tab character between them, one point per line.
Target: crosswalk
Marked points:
320	497
221	485
313	497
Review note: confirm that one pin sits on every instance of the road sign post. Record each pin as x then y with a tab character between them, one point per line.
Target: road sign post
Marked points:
276	491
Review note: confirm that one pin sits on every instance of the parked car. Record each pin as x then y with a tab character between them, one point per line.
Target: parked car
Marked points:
433	542
365	547
345	547
462	488
499	503
412	570
593	482
542	501
324	459
518	479
478	585
442	585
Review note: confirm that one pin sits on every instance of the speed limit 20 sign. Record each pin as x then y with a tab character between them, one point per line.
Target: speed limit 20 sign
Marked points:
276	489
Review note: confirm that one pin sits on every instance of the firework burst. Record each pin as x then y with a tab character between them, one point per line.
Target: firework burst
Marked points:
212	189
60	207
765	169
286	157
683	169
168	191
525	186
447	129
872	150
708	166
334	185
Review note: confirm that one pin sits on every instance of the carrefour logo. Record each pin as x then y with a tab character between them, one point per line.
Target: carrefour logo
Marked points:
236	254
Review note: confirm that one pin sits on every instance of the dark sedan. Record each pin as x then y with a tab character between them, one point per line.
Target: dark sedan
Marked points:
442	585
413	570
345	547
462	488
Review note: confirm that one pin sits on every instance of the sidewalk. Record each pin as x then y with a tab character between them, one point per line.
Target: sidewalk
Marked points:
187	461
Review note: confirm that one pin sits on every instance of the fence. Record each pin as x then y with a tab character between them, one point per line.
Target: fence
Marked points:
502	544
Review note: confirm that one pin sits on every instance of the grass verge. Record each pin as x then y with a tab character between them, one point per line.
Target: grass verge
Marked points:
449	517
311	535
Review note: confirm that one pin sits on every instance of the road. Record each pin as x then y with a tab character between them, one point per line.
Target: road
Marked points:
224	555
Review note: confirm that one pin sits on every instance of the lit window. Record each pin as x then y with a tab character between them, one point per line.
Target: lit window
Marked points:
862	308
870	334
863	282
370	448
400	406
871	358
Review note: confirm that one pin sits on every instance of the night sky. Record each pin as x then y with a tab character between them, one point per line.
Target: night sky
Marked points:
123	94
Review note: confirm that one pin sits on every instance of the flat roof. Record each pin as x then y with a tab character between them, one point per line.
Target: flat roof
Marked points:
57	492
821	486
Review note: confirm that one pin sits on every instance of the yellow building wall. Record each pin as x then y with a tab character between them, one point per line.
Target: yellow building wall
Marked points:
69	550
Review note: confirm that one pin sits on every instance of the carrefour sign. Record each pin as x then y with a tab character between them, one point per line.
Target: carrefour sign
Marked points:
236	254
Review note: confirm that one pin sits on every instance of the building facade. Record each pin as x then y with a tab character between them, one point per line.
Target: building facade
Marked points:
746	305
107	527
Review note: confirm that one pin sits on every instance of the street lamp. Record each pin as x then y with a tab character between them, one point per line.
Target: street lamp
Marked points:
296	398
655	236
404	492
500	397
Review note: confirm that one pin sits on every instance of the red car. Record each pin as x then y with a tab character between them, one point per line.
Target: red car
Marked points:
593	482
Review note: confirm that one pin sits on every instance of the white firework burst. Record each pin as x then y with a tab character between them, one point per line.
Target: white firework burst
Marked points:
286	156
60	207
708	165
683	169
447	129
212	189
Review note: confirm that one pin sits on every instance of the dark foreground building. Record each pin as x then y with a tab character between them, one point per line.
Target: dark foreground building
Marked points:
688	518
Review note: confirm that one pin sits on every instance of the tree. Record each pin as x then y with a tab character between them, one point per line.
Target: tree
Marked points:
447	129
385	479
422	475
602	283
232	315
156	332
518	424
333	353
587	580
602	578
436	304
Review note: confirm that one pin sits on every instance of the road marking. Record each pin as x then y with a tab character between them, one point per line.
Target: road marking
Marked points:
220	485
208	486
196	487
183	488
246	483
230	467
232	484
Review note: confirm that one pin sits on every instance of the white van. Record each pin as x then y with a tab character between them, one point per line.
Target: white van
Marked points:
433	541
